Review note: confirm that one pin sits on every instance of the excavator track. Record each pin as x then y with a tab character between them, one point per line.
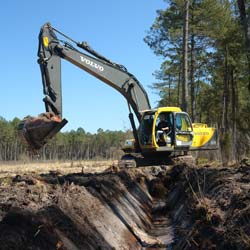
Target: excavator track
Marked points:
137	160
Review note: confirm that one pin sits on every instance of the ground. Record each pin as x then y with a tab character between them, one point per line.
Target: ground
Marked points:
97	205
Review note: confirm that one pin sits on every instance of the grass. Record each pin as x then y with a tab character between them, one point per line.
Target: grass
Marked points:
64	167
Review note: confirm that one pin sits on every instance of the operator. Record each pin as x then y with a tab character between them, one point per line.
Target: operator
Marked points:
162	127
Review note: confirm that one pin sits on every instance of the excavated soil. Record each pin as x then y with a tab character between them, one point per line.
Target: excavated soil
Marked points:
162	207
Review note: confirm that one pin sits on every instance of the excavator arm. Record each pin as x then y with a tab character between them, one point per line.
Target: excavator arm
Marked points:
50	52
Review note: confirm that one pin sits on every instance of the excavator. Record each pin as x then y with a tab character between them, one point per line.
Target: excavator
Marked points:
180	135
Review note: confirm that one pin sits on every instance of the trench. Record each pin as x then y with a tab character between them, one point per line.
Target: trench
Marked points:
162	207
111	210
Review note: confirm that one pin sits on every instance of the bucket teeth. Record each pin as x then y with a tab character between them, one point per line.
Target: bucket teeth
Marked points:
36	131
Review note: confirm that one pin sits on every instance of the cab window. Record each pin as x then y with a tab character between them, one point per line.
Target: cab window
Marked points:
183	122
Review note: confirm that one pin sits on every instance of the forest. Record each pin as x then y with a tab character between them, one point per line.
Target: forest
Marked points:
72	145
204	46
205	51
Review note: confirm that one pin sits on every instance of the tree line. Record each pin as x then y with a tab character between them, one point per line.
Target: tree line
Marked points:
204	44
71	145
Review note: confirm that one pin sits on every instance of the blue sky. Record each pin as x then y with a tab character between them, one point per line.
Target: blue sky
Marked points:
113	28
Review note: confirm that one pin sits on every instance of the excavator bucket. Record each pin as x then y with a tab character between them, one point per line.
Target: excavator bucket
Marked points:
36	131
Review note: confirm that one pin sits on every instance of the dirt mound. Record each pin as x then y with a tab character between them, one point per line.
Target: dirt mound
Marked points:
161	207
23	230
210	207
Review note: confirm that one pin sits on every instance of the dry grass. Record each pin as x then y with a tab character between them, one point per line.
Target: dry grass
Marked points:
65	167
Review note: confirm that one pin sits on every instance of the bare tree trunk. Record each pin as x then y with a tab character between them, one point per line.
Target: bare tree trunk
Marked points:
245	20
225	138
192	67
234	112
169	87
192	84
178	88
225	120
185	57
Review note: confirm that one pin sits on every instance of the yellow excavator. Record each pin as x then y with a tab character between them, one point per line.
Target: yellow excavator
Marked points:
149	142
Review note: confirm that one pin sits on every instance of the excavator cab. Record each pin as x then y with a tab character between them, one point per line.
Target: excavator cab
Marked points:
180	134
165	129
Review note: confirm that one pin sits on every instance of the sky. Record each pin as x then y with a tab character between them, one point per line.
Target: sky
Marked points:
113	28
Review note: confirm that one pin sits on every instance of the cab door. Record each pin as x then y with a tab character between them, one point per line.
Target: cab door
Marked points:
145	130
183	135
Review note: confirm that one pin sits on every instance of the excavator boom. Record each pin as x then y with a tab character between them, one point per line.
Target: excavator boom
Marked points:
50	52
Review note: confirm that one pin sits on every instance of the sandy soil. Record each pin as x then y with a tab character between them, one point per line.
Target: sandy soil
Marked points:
99	206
